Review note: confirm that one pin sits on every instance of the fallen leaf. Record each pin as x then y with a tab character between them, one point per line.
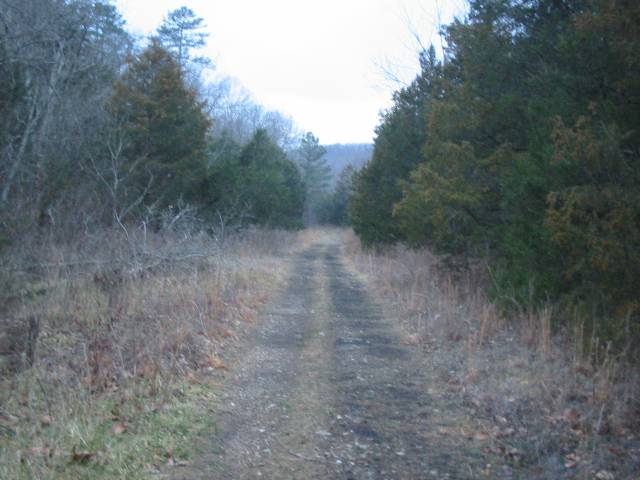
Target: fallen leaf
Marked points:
119	428
572	416
620	431
216	362
46	420
472	377
481	436
583	370
475	403
173	462
497	449
82	456
510	452
40	451
616	451
507	432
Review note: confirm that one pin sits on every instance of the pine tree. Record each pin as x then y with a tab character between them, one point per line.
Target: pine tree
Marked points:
181	32
316	173
269	184
397	151
335	207
165	126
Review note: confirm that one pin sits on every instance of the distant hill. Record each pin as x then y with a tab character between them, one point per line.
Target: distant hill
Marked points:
340	155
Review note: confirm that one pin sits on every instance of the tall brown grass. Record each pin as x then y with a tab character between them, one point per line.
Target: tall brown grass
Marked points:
567	403
118	313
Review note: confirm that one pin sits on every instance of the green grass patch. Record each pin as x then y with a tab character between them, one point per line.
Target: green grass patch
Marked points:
126	435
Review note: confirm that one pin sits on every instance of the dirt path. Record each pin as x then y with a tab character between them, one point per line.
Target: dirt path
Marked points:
326	390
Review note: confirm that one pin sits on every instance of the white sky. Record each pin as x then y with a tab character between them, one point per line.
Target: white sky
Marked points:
319	61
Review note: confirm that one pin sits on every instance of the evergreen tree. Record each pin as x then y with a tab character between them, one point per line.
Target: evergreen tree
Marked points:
525	152
269	184
181	32
334	209
397	151
165	127
486	172
316	174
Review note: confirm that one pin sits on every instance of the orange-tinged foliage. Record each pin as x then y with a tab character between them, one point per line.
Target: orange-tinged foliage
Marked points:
530	149
597	222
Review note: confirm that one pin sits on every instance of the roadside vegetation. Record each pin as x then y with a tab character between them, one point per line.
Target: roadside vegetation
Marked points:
500	213
147	213
519	146
111	343
543	403
146	210
100	129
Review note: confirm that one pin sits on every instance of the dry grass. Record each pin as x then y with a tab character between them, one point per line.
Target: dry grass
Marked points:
102	337
546	406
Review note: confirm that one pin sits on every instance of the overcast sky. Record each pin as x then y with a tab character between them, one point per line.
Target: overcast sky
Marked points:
319	61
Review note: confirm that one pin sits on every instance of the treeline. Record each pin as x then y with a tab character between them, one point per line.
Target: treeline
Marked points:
522	146
98	129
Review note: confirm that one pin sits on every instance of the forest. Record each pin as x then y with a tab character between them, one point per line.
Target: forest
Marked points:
520	146
136	188
101	129
184	270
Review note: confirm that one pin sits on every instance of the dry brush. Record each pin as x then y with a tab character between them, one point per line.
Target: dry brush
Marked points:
119	321
545	398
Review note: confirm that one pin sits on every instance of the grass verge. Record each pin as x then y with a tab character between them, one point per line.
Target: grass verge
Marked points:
125	435
542	405
110	344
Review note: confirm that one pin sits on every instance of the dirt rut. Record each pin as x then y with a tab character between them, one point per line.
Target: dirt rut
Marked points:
325	389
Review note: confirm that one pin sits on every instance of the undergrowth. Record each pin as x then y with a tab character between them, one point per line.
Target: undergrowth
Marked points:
108	341
548	402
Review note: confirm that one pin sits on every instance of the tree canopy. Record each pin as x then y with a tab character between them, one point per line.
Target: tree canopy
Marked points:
270	184
181	32
97	127
520	145
165	128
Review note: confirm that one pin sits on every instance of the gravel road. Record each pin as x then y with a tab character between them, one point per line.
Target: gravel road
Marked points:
326	389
